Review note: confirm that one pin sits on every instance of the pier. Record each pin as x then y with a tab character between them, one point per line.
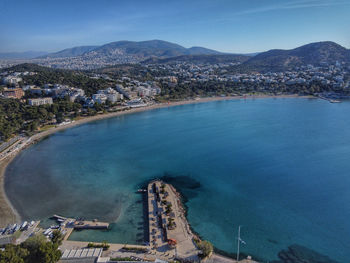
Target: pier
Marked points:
169	232
83	224
80	224
57	217
67	225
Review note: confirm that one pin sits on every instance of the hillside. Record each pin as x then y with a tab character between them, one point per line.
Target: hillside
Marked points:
71	78
143	49
200	59
70	52
202	51
314	54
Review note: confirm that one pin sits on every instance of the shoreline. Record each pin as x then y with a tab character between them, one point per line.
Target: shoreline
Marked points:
8	213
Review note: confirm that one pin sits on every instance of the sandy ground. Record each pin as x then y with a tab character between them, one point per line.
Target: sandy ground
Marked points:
8	213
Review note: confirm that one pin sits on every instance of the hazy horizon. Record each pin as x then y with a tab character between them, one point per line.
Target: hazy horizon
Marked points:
247	53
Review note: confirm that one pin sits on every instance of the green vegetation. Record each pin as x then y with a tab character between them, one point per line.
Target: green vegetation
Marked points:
13	254
122	259
16	117
35	249
171	223
135	249
228	88
104	245
71	78
162	188
168	208
206	248
57	237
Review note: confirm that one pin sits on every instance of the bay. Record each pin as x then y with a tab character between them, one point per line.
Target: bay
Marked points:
278	167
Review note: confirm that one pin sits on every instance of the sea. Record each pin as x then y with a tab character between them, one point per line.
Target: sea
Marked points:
277	167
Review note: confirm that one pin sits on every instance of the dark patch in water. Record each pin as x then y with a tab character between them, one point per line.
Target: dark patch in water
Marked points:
300	254
181	181
186	185
272	241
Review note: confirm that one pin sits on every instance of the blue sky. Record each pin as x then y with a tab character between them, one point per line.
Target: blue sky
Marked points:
238	26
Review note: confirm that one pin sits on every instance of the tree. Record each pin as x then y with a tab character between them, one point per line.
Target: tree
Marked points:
33	244
57	237
41	250
49	253
13	254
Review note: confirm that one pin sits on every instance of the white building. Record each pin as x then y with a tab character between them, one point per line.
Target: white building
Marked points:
40	101
99	98
11	80
112	95
148	91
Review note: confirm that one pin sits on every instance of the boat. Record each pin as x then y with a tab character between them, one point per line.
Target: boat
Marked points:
24	225
13	227
47	231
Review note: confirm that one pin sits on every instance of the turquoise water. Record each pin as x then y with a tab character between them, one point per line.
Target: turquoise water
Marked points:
279	167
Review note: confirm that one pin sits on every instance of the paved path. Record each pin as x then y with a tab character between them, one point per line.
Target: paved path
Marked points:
215	258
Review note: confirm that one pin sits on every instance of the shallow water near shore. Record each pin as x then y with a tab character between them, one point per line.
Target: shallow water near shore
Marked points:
279	167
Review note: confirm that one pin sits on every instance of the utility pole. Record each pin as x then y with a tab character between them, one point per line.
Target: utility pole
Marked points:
238	241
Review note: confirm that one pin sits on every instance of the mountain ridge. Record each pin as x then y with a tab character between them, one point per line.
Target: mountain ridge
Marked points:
69	52
146	48
315	53
159	51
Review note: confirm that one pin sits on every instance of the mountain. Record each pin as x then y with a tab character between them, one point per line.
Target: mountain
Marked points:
22	55
120	52
69	52
314	54
200	59
158	51
151	48
202	51
142	49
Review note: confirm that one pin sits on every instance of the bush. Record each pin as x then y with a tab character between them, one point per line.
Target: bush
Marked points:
122	259
135	249
104	245
206	247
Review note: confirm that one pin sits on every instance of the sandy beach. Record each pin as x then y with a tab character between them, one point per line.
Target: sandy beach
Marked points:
9	215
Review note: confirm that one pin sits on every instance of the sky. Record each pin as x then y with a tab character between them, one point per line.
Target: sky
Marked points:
237	26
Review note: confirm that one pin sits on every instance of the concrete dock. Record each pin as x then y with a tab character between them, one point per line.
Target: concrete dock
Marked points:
169	232
84	224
